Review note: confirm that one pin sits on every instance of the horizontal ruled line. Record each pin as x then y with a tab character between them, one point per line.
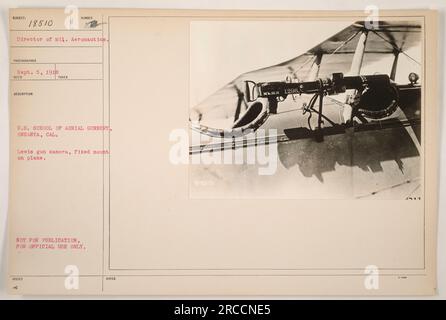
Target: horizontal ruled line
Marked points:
225	275
38	30
56	79
55	46
55	63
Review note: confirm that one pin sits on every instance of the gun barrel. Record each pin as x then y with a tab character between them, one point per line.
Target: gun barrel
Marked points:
336	84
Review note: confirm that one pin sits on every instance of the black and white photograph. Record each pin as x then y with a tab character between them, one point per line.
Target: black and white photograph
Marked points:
306	109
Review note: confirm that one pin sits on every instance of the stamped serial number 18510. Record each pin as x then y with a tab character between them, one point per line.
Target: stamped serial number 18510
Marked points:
37	23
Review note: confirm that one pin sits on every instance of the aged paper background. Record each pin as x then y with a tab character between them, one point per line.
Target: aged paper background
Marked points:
128	213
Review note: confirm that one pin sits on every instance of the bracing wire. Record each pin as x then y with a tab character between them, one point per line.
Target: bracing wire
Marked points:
396	48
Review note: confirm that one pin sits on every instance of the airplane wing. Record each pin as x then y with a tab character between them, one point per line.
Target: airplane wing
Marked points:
225	108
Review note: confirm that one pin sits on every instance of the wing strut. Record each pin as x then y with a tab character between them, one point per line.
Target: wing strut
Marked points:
355	70
394	65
